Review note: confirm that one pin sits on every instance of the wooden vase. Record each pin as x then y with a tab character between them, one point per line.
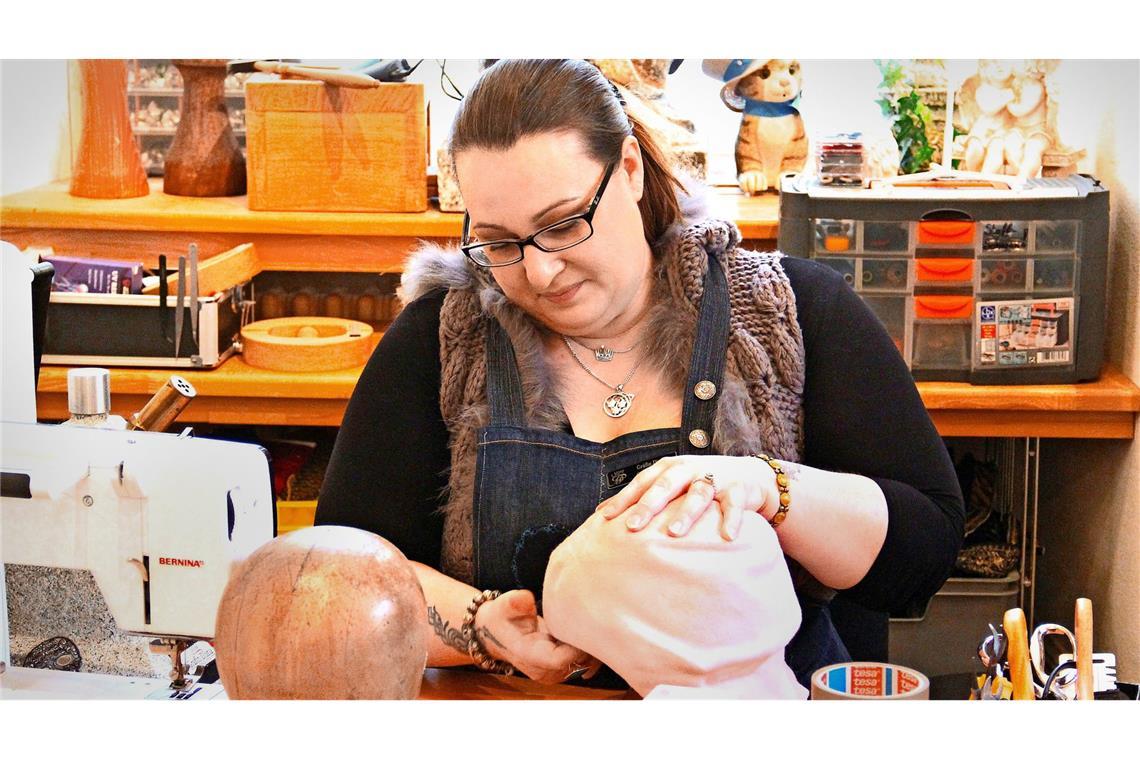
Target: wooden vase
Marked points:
107	163
204	159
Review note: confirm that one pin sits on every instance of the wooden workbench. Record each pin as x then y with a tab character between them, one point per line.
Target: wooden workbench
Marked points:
236	393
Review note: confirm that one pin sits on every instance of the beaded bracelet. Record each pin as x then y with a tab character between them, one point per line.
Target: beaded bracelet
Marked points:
781	486
474	646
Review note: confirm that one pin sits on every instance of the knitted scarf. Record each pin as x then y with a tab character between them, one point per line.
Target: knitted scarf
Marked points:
759	409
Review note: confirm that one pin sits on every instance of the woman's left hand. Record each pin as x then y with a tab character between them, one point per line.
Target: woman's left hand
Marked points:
678	486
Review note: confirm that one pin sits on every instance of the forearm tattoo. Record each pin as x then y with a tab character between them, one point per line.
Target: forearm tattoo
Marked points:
450	636
486	635
791	469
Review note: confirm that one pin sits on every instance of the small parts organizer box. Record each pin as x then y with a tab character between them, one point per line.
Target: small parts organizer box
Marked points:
975	284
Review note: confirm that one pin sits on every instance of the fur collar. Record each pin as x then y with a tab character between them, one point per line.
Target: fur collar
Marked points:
672	331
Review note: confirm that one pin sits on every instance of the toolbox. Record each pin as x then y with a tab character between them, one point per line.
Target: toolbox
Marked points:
977	284
138	330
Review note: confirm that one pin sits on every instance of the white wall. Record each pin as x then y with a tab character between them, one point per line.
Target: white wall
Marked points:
34	133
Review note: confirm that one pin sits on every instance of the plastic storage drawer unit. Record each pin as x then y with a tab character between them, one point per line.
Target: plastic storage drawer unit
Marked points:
973	284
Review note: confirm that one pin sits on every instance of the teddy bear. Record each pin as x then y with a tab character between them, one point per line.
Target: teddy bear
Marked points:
771	139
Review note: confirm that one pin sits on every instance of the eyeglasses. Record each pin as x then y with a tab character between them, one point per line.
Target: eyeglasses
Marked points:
559	236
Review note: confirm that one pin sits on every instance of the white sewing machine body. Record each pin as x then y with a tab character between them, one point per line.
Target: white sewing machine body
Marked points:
158	519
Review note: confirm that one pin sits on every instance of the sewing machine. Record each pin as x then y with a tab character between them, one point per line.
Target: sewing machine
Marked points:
157	519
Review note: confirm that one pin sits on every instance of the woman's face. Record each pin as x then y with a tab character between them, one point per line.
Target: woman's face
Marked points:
597	288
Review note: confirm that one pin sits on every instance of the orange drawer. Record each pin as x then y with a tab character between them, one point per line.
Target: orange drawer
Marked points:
955	233
943	307
944	270
836	243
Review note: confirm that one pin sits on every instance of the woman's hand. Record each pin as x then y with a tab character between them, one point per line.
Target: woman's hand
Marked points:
510	629
677	486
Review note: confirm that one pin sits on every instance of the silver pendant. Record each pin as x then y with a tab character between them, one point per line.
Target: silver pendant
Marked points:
618	403
603	354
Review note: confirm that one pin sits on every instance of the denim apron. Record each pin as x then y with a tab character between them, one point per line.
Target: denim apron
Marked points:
534	487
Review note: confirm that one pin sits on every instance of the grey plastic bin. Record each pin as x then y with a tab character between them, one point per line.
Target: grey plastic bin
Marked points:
945	639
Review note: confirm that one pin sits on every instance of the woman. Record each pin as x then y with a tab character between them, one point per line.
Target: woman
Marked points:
599	345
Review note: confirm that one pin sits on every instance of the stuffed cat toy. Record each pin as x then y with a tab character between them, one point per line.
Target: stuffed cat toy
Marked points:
771	139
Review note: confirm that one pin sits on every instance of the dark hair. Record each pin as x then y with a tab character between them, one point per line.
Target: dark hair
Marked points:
517	98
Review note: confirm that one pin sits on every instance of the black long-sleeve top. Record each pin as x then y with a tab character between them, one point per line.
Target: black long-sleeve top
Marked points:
862	414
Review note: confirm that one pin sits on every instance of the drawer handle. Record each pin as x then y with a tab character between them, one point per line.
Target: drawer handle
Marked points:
943	307
946	232
945	269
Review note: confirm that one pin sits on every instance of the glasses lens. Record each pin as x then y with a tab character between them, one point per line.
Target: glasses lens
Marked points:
568	233
495	254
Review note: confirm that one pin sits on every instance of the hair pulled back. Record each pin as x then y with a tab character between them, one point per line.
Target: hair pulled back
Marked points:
517	98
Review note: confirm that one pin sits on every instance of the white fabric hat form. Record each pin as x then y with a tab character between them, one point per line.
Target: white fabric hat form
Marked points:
691	617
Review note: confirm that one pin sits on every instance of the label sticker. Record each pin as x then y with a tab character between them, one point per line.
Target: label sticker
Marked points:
620	477
1025	333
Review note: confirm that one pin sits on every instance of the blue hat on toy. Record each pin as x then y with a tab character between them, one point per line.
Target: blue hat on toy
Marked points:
731	71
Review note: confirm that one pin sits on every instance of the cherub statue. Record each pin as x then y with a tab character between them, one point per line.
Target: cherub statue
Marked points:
1034	115
1010	113
985	98
771	139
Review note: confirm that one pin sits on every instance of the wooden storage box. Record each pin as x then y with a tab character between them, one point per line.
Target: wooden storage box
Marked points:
315	147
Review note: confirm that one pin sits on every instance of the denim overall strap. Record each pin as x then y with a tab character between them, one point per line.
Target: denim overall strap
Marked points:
710	349
504	385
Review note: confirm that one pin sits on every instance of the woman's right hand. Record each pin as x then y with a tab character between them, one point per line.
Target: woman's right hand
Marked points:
510	629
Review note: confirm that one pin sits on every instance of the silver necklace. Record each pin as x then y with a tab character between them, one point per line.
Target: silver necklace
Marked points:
618	402
604	354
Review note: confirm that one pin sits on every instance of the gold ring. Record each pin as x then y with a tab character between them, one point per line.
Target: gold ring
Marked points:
707	478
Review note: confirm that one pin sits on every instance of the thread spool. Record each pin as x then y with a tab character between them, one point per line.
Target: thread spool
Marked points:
271	305
303	304
366	308
333	305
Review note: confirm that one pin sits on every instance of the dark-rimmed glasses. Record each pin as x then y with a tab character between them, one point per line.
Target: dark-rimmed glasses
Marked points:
558	236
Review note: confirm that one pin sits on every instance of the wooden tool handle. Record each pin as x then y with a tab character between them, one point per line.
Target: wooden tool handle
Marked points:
1083	633
1017	638
330	76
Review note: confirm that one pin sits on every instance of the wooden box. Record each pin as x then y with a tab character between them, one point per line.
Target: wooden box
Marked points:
315	147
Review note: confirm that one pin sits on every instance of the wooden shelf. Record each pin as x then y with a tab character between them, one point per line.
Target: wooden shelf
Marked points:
304	241
236	393
52	207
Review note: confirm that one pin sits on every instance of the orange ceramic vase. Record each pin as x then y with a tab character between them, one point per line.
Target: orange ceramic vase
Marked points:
107	164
